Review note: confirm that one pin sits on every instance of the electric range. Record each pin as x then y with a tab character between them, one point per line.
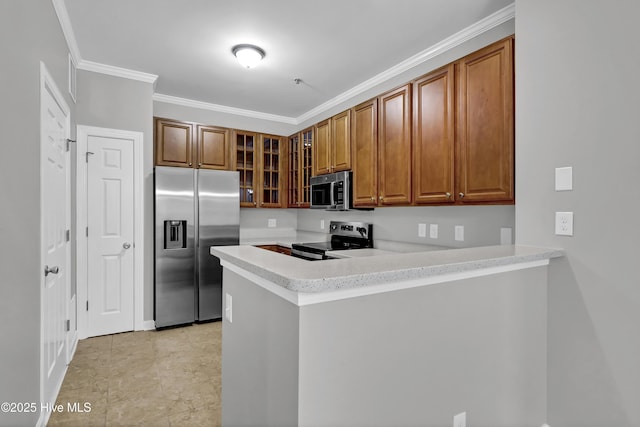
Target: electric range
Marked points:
344	235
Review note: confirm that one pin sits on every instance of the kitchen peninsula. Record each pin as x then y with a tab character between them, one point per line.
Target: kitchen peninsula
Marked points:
393	339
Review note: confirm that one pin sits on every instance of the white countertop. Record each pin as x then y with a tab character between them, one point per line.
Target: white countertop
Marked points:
302	276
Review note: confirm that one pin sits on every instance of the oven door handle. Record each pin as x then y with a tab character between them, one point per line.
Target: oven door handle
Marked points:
306	255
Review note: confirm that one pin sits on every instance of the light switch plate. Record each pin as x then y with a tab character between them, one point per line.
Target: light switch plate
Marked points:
564	223
322	224
459	233
564	179
422	230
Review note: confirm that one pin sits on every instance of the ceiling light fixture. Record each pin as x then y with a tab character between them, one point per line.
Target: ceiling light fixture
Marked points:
248	55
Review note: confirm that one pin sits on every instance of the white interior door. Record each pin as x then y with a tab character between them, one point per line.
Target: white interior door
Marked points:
55	221
110	220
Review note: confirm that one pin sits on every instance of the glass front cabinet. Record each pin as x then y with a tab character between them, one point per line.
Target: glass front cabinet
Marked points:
300	149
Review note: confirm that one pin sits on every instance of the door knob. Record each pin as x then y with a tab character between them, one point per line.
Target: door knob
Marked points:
48	270
126	245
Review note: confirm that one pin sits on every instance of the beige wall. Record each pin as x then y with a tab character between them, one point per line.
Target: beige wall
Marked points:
30	33
577	90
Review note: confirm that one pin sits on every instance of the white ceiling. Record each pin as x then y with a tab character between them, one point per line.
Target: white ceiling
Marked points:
332	45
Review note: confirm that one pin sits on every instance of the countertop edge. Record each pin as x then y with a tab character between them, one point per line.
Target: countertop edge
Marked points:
295	275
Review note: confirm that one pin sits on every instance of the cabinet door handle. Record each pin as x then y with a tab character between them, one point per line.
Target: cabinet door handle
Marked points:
381	198
190	164
461	195
373	199
448	195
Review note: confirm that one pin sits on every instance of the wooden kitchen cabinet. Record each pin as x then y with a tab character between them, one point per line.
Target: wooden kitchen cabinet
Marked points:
213	148
246	159
321	148
173	143
364	154
394	147
273	155
332	146
260	161
185	144
433	137
341	142
300	167
484	125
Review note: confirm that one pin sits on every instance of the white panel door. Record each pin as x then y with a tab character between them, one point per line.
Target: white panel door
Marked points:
55	218
110	219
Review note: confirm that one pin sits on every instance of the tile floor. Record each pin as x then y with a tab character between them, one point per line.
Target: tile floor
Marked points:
152	378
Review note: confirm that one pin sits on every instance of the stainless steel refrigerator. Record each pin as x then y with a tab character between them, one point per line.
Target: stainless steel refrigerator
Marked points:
194	210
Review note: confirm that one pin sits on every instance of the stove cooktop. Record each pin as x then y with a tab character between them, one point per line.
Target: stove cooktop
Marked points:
344	235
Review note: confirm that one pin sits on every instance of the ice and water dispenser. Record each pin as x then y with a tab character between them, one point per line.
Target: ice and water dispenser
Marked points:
175	234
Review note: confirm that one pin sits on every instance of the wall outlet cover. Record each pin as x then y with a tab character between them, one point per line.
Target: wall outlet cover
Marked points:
422	230
564	223
506	236
272	223
433	231
460	420
459	233
322	224
228	308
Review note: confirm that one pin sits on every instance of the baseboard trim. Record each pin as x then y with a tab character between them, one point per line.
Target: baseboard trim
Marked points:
148	325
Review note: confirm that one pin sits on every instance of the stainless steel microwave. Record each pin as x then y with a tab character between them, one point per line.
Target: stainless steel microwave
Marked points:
331	192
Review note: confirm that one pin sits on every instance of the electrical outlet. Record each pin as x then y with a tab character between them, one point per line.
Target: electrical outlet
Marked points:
322	224
506	236
564	223
433	231
460	420
459	233
422	230
228	308
271	223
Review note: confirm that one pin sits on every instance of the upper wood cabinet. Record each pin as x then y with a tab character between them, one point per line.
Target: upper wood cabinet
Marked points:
364	154
213	147
246	160
485	129
332	145
260	160
394	147
300	165
271	167
433	137
173	143
341	142
185	144
321	148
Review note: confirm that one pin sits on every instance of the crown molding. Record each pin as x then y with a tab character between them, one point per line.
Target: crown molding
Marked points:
503	15
223	109
117	71
67	29
474	30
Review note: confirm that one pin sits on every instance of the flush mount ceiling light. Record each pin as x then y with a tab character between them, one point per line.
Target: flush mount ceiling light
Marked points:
248	55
